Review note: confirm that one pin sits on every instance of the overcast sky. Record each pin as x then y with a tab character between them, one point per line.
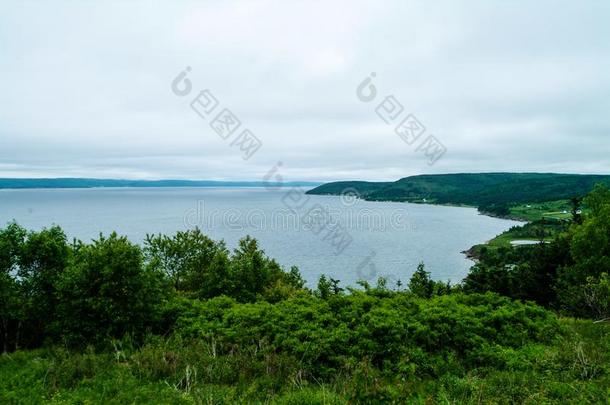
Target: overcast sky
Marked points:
85	87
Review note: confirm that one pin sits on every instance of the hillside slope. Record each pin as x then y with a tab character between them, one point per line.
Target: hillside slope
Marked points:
476	189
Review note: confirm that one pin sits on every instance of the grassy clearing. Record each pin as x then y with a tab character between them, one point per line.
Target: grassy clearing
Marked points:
535	231
552	210
545	221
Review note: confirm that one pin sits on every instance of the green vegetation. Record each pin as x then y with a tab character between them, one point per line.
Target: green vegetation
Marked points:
358	348
568	273
184	320
538	231
547	221
498	194
560	210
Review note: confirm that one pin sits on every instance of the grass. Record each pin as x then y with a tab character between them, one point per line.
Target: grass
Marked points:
505	239
545	220
575	368
552	210
533	231
541	229
61	377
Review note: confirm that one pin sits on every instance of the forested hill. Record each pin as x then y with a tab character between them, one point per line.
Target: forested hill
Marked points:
476	189
92	183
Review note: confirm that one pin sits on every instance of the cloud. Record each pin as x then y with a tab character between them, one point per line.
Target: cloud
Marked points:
506	86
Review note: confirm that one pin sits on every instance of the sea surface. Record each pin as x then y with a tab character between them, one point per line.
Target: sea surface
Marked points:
343	237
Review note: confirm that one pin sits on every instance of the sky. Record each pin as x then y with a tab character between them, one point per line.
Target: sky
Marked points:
86	88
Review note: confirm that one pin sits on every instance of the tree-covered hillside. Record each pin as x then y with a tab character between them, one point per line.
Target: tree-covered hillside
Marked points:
476	189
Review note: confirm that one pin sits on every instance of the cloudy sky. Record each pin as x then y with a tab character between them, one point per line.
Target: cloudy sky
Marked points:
85	87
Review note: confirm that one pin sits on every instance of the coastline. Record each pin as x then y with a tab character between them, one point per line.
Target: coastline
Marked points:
472	253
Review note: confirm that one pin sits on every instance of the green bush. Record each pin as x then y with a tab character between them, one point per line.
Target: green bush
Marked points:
326	335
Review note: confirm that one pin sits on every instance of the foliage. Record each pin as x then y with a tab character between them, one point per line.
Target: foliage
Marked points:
30	265
203	268
536	231
499	210
82	293
597	296
421	284
563	274
524	362
105	292
395	333
191	261
493	192
552	211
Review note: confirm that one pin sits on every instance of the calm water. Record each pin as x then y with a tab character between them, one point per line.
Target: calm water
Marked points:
346	239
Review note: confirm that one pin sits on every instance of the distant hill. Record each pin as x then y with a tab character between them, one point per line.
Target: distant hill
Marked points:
91	183
475	189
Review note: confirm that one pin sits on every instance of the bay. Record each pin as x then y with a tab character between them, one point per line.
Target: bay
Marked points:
347	239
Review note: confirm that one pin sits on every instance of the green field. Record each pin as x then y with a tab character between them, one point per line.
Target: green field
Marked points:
546	220
552	210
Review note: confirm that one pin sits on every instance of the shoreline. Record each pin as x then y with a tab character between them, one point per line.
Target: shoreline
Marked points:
470	253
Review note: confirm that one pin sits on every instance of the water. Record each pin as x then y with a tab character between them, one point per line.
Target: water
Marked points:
387	239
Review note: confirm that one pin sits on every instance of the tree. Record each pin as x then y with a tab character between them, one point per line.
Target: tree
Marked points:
420	283
591	241
576	205
252	271
499	210
30	265
597	199
202	268
597	296
294	278
44	257
324	289
590	254
12	239
106	292
192	261
10	312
